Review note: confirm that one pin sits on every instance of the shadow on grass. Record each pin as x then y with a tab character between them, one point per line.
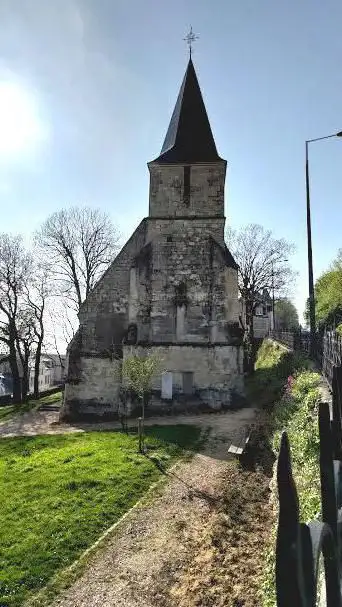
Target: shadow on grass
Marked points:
186	437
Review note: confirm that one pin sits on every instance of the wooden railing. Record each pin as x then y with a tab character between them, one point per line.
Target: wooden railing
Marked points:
302	546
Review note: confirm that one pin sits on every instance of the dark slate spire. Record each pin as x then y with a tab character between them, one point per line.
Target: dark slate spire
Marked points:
189	137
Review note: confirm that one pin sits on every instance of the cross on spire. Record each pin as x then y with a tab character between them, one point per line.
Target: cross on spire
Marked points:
190	39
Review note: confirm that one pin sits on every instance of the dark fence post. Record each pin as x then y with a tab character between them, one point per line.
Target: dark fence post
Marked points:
329	513
336	411
289	574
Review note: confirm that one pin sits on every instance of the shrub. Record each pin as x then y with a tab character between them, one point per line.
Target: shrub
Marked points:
339	329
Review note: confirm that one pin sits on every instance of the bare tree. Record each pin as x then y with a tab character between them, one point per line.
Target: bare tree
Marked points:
37	290
61	326
263	265
15	265
79	243
24	344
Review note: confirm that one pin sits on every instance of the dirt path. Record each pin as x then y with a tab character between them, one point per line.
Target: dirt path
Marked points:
153	546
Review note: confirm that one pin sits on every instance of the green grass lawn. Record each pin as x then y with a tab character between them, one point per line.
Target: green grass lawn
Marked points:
59	493
8	411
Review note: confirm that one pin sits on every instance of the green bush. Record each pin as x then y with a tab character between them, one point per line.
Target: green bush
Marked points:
339	329
297	414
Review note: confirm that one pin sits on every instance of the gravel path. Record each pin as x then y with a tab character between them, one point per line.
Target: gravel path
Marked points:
142	561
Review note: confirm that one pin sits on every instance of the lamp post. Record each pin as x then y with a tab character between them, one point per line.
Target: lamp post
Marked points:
308	224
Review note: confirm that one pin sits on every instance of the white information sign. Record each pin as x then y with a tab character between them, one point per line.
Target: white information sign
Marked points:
166	391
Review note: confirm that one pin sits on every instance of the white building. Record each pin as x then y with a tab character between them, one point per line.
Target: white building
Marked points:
51	372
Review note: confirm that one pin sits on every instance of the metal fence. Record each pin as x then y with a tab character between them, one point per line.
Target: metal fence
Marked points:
301	547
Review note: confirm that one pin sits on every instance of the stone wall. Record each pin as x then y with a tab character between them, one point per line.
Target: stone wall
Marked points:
217	372
194	227
231	301
180	276
104	316
96	392
169	199
190	283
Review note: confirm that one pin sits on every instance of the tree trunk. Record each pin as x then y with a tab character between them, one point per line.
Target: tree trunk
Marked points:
25	382
250	319
16	389
36	369
13	361
146	399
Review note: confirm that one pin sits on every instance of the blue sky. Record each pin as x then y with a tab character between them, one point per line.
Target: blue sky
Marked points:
100	79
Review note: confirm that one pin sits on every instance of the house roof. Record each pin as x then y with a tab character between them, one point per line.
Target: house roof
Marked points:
189	138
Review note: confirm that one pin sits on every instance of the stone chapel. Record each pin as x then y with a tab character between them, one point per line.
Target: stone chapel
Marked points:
172	290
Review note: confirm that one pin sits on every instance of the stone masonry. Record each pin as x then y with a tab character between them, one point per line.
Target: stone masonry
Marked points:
172	290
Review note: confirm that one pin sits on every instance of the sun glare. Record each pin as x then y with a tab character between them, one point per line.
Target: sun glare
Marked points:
20	127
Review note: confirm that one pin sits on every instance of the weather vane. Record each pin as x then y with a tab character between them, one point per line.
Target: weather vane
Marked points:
190	39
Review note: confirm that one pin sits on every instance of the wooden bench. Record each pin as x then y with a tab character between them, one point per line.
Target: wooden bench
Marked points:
240	447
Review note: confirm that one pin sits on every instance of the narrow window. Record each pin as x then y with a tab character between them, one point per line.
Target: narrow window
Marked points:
180	322
188	382
186	191
181	302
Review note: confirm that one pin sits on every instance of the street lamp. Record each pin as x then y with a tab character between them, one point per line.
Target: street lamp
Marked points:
308	223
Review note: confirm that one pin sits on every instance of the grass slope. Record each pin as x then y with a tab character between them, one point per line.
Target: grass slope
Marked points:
59	493
8	411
